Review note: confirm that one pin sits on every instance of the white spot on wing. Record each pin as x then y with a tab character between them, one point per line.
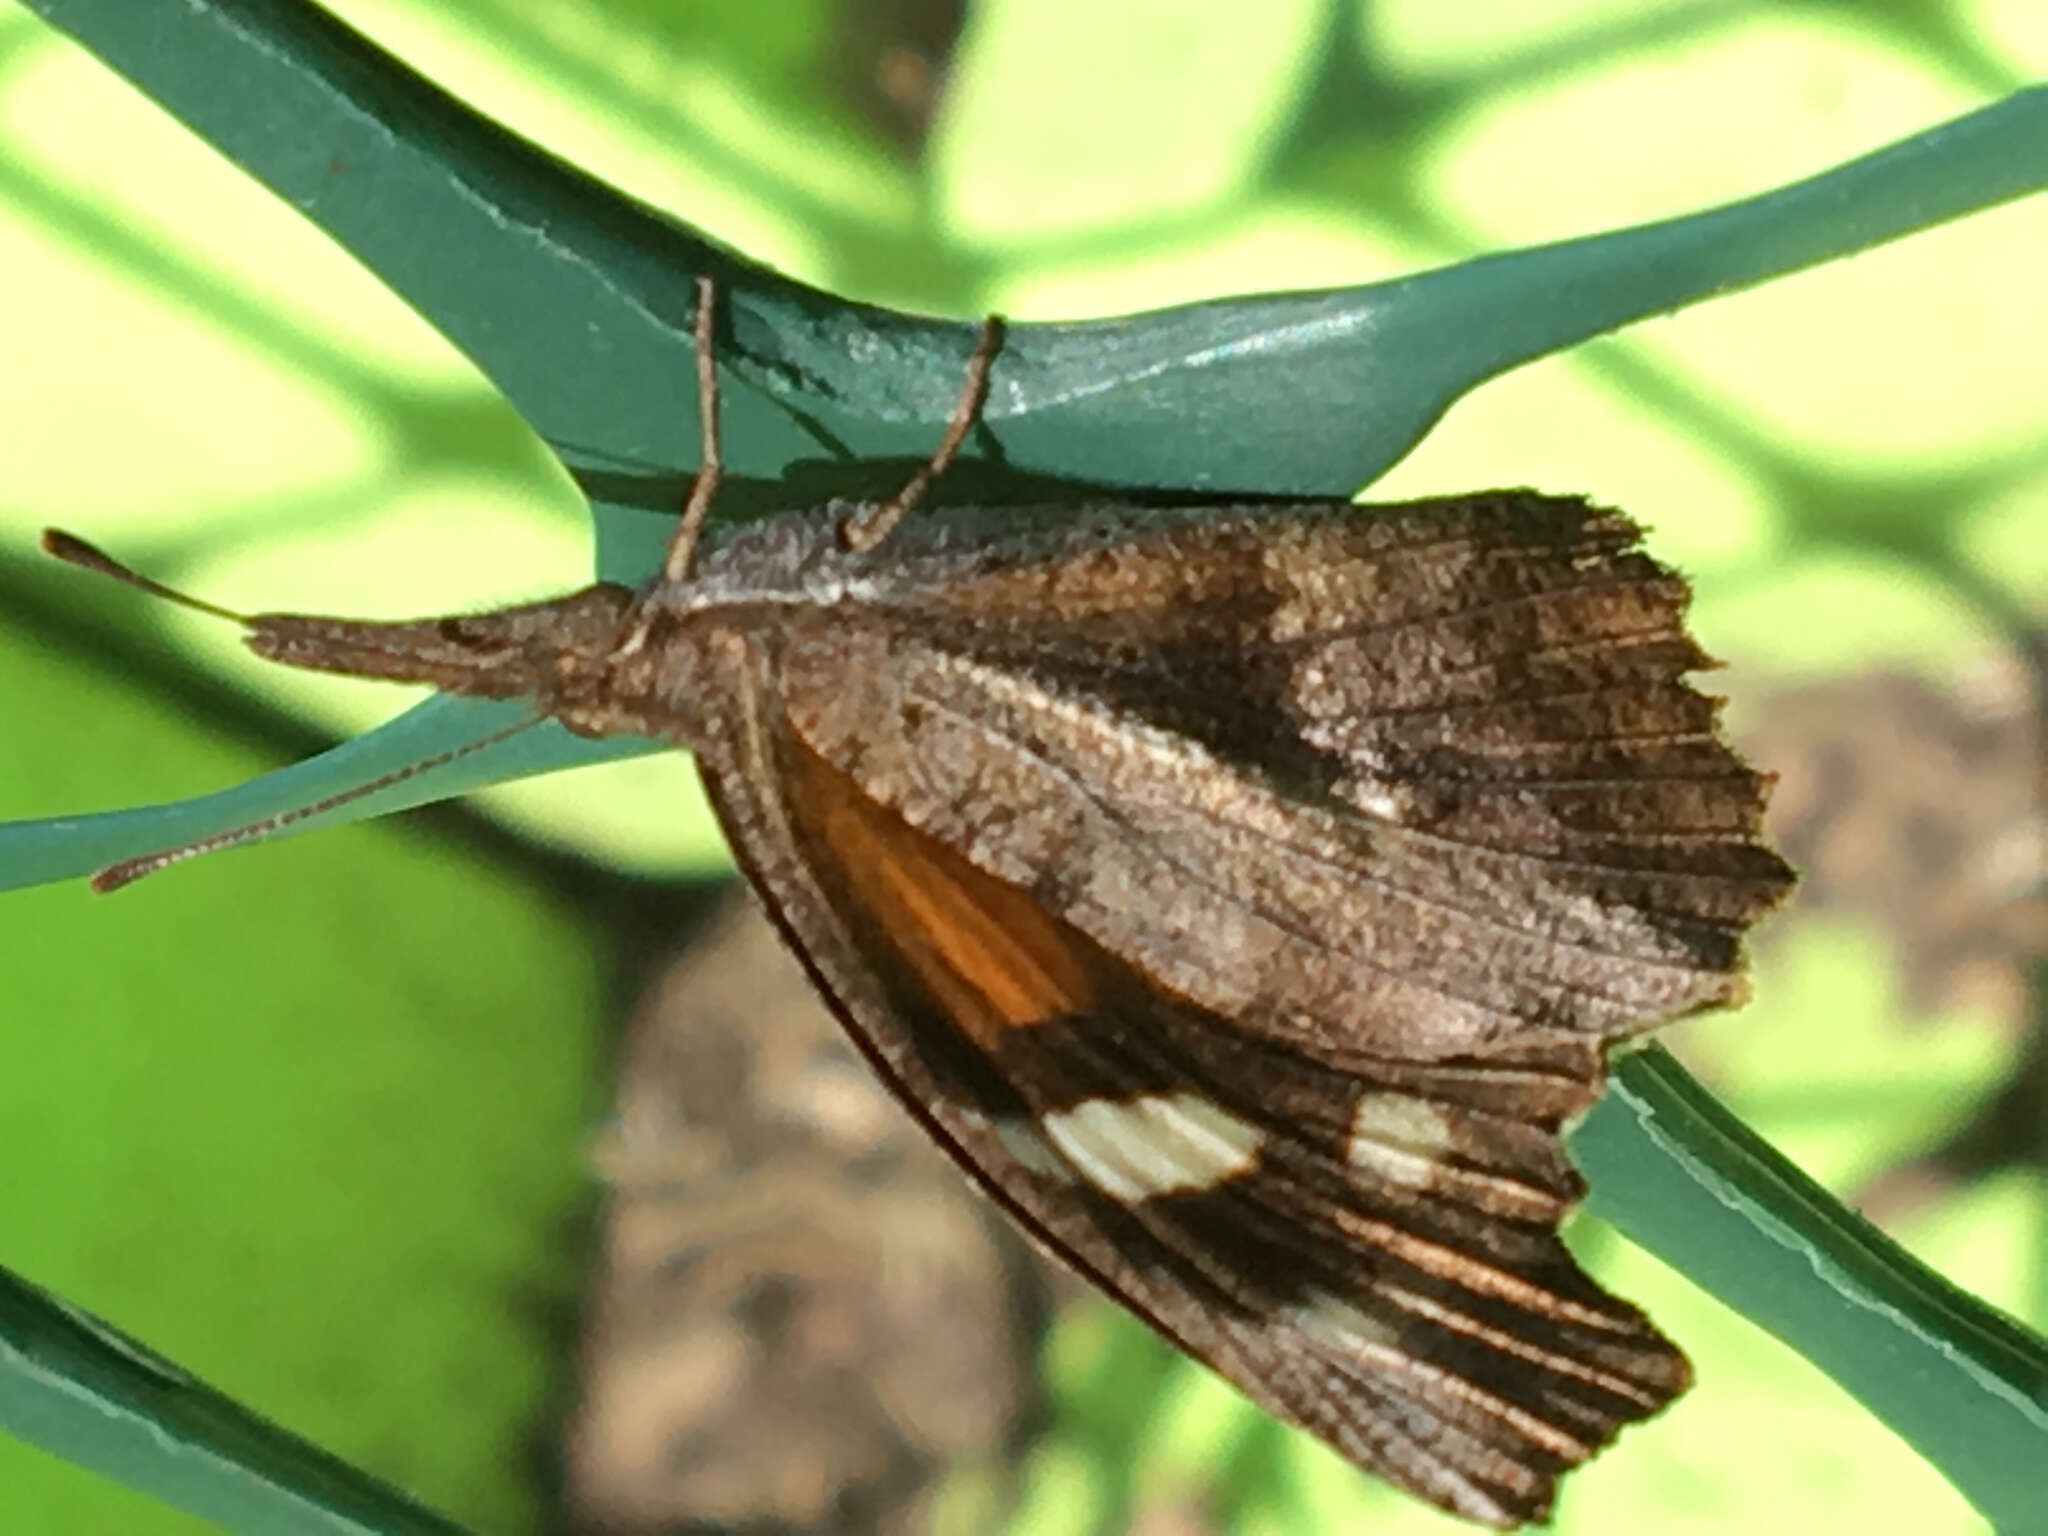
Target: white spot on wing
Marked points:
1377	800
1160	1144
1400	1138
1021	1139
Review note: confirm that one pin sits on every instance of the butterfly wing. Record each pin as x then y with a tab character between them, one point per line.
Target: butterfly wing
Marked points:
1246	901
1371	1252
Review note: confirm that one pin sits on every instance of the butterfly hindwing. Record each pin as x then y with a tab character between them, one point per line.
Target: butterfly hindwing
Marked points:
1372	1254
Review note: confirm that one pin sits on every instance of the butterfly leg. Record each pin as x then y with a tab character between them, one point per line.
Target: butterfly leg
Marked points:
868	527
682	544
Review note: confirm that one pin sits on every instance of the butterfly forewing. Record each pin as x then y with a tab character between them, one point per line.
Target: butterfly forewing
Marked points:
1439	881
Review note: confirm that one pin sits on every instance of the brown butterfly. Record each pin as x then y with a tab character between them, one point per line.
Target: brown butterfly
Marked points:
1244	894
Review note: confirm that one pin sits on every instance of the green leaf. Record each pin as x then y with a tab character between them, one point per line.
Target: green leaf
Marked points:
1964	1385
70	1382
578	305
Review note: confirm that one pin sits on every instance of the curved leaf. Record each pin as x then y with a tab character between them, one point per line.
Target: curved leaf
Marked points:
576	302
70	1382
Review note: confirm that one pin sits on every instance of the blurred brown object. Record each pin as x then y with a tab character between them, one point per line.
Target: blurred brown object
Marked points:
1920	808
889	63
802	1317
1925	809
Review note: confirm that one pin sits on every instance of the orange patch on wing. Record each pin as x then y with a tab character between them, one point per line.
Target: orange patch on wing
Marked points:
994	958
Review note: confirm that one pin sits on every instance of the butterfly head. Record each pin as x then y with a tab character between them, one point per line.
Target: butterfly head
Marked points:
529	651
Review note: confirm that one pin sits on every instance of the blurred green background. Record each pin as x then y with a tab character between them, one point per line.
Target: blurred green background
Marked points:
326	1147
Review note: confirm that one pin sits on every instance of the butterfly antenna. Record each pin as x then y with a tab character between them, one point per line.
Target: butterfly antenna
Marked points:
128	871
73	550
